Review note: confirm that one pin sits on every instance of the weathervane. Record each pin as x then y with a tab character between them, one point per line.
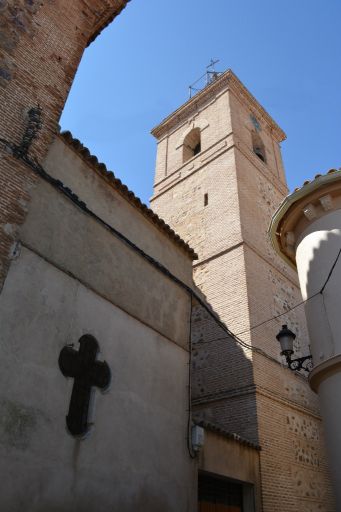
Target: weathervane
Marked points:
210	75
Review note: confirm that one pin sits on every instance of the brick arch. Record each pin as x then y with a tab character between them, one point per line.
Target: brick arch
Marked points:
201	125
41	46
191	144
105	16
258	146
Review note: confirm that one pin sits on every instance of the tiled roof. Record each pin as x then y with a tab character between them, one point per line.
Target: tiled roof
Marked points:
306	182
300	194
222	431
109	176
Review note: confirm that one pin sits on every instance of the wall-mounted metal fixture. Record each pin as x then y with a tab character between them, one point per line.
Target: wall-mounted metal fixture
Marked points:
286	339
198	438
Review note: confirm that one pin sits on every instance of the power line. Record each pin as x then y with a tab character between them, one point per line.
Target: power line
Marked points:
320	292
67	192
330	272
21	153
57	184
189	418
278	316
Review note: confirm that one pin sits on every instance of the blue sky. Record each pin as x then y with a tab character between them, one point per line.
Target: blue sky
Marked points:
139	69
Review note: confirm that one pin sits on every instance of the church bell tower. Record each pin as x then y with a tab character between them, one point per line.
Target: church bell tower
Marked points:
219	177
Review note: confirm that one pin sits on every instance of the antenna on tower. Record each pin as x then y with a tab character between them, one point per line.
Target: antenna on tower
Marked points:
208	77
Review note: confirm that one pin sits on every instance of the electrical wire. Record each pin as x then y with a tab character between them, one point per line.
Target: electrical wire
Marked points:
330	272
189	419
66	191
38	169
277	316
57	184
320	292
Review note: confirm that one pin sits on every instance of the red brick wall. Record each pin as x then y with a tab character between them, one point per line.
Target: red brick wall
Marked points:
41	44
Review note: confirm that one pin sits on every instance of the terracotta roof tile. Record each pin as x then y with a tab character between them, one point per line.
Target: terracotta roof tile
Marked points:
317	176
300	194
125	192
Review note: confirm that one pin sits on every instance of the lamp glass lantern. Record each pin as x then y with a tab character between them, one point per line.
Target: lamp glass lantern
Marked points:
286	339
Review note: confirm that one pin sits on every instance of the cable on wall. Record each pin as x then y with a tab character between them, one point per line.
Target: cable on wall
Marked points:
67	192
20	152
252	328
189	418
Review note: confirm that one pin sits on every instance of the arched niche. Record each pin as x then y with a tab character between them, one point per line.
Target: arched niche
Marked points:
258	146
191	144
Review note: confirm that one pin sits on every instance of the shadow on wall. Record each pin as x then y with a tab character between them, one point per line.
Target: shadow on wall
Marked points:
142	501
223	390
322	311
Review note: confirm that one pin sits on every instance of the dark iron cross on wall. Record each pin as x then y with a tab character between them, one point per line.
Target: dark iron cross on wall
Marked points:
87	372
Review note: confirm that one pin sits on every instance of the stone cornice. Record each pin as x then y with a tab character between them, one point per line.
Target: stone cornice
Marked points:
229	81
201	159
306	203
192	166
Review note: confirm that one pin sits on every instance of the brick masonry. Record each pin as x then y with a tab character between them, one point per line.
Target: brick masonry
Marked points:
245	283
41	44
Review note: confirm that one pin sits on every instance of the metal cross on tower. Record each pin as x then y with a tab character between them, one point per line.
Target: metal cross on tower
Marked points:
87	373
210	75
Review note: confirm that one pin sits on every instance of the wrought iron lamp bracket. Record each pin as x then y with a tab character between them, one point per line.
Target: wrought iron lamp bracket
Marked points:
300	363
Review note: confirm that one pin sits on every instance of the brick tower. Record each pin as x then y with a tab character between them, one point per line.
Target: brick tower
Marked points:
219	177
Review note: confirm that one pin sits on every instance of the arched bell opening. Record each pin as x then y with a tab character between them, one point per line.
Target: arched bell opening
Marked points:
192	144
258	146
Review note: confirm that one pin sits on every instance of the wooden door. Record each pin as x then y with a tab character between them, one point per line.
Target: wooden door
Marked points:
217	494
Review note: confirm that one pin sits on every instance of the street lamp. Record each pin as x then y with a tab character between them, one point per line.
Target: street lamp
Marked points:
286	339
